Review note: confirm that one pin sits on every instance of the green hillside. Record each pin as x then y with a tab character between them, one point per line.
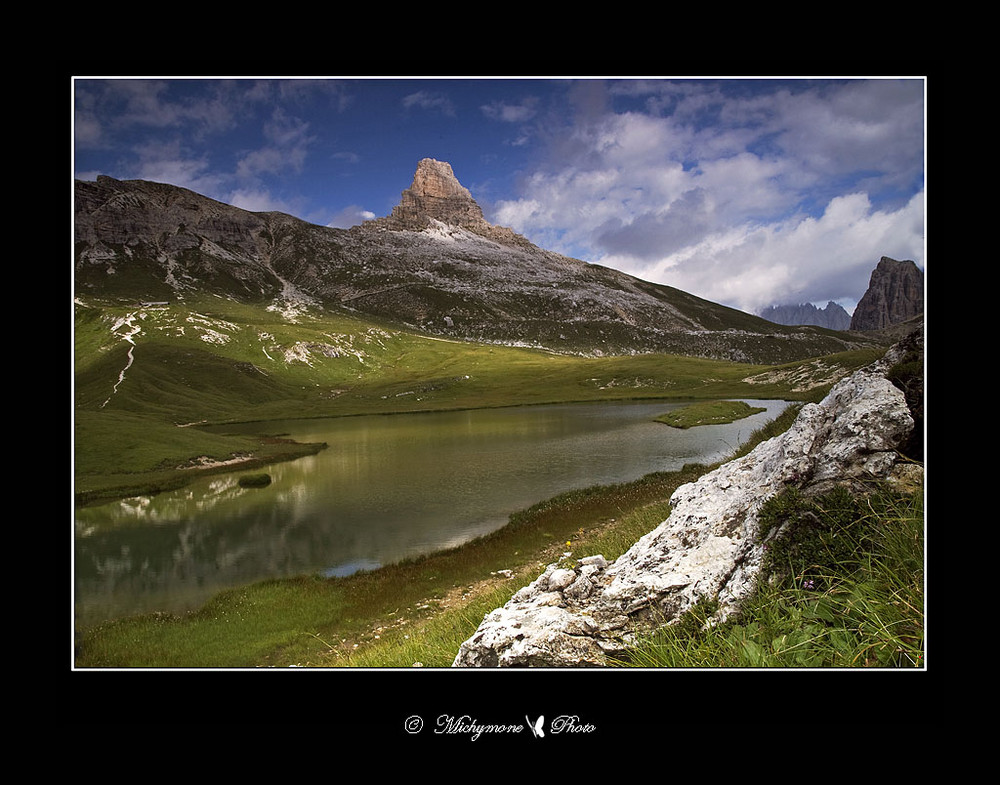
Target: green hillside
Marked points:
150	380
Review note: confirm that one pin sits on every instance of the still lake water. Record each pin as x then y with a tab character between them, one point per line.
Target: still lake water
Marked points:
386	488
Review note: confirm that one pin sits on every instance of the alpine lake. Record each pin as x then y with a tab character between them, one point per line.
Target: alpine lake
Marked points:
387	487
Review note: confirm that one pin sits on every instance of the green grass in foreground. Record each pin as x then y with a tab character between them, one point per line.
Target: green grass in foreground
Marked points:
709	413
830	605
845	590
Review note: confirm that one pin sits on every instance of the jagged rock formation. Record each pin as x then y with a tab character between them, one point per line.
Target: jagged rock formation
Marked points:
437	197
708	546
434	265
436	194
895	294
832	317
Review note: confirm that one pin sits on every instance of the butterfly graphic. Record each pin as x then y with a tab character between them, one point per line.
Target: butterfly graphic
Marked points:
536	727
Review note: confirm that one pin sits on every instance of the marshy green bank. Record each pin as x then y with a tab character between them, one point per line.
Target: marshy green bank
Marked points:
708	413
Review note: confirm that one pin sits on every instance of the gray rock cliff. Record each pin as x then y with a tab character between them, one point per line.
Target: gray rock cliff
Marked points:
707	548
895	293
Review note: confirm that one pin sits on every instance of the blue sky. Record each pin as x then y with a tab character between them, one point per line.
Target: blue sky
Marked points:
747	192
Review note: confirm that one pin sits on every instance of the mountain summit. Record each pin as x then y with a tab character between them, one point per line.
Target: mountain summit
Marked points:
436	193
436	196
833	316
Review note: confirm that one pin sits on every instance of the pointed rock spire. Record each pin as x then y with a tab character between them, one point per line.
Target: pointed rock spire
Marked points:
437	195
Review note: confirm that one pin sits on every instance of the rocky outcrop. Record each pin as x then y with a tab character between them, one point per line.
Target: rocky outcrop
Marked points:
435	194
437	197
580	615
895	293
832	317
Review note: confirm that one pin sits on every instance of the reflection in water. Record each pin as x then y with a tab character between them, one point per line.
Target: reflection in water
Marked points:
387	488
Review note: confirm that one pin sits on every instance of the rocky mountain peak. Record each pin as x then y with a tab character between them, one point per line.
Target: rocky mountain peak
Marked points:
895	293
437	195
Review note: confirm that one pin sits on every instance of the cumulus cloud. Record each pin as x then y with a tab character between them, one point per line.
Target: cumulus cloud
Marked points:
800	259
784	193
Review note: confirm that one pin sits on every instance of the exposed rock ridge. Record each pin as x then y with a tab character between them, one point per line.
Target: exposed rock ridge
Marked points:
436	195
895	293
707	547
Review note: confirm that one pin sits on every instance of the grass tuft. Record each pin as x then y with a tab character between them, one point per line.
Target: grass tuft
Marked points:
842	588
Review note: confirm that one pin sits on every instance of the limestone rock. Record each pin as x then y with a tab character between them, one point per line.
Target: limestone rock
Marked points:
708	546
435	198
895	293
436	193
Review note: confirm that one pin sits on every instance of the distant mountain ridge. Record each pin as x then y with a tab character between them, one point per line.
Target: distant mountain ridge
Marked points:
832	317
434	265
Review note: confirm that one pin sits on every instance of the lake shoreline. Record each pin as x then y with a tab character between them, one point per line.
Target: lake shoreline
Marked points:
396	597
376	618
155	482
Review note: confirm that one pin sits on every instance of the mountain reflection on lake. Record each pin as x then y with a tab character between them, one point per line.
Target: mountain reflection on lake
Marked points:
387	488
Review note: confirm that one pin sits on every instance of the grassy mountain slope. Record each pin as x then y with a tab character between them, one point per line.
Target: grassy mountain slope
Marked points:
149	380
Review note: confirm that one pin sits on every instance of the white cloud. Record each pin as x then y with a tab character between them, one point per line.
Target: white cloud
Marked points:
425	99
168	164
288	144
258	200
750	199
350	216
511	112
801	259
